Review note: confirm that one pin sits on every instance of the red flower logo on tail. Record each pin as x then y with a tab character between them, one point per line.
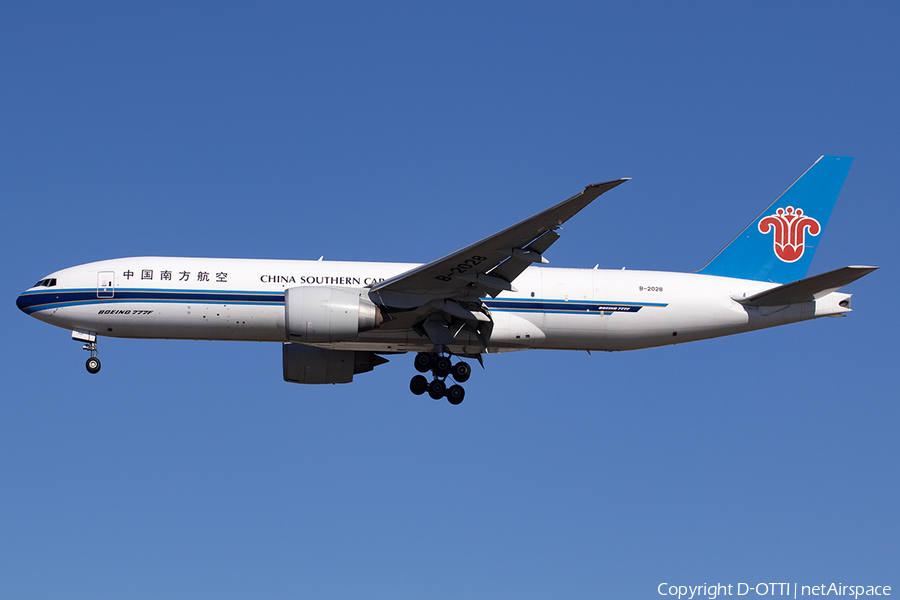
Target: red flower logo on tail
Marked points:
790	227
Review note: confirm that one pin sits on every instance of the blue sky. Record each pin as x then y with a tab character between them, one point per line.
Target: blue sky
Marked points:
400	132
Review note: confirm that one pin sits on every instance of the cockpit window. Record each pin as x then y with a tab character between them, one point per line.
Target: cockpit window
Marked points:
50	282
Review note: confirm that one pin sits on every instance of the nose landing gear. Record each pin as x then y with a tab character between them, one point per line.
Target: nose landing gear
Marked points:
441	367
93	363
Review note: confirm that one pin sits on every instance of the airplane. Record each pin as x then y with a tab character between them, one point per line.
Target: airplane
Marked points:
339	319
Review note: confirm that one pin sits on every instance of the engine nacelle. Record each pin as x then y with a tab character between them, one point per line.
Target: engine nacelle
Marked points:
308	364
320	314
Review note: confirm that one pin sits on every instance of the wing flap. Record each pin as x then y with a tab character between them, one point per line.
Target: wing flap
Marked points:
518	262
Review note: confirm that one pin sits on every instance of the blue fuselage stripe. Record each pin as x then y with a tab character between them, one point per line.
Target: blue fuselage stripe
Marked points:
34	301
43	300
566	307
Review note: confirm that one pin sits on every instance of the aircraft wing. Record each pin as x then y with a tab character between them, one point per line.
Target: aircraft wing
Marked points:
487	267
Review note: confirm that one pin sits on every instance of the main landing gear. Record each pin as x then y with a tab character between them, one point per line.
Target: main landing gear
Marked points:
440	367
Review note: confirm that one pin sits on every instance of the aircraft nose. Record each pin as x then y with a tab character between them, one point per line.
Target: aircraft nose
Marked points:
21	302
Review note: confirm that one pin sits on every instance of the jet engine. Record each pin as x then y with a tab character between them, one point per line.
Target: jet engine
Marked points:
308	364
321	314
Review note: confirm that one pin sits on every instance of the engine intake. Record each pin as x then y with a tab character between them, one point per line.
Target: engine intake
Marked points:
319	314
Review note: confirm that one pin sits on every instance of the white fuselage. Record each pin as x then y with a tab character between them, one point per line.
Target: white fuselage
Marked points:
553	308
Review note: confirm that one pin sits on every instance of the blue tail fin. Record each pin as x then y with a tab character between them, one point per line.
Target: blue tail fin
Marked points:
779	244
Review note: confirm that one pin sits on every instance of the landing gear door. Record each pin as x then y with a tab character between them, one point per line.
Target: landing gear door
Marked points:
106	284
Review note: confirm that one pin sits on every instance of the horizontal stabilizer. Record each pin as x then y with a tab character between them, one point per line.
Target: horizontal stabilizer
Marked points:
807	290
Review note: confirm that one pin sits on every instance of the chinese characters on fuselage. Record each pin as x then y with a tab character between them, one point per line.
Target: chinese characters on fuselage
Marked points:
147	274
222	277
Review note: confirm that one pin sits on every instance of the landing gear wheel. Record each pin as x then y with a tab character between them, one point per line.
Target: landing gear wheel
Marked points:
93	365
436	389
455	394
442	366
418	385
461	372
423	362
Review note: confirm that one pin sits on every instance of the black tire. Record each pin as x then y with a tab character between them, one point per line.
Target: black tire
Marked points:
455	394
461	372
418	385
442	366
423	362
93	365
437	389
